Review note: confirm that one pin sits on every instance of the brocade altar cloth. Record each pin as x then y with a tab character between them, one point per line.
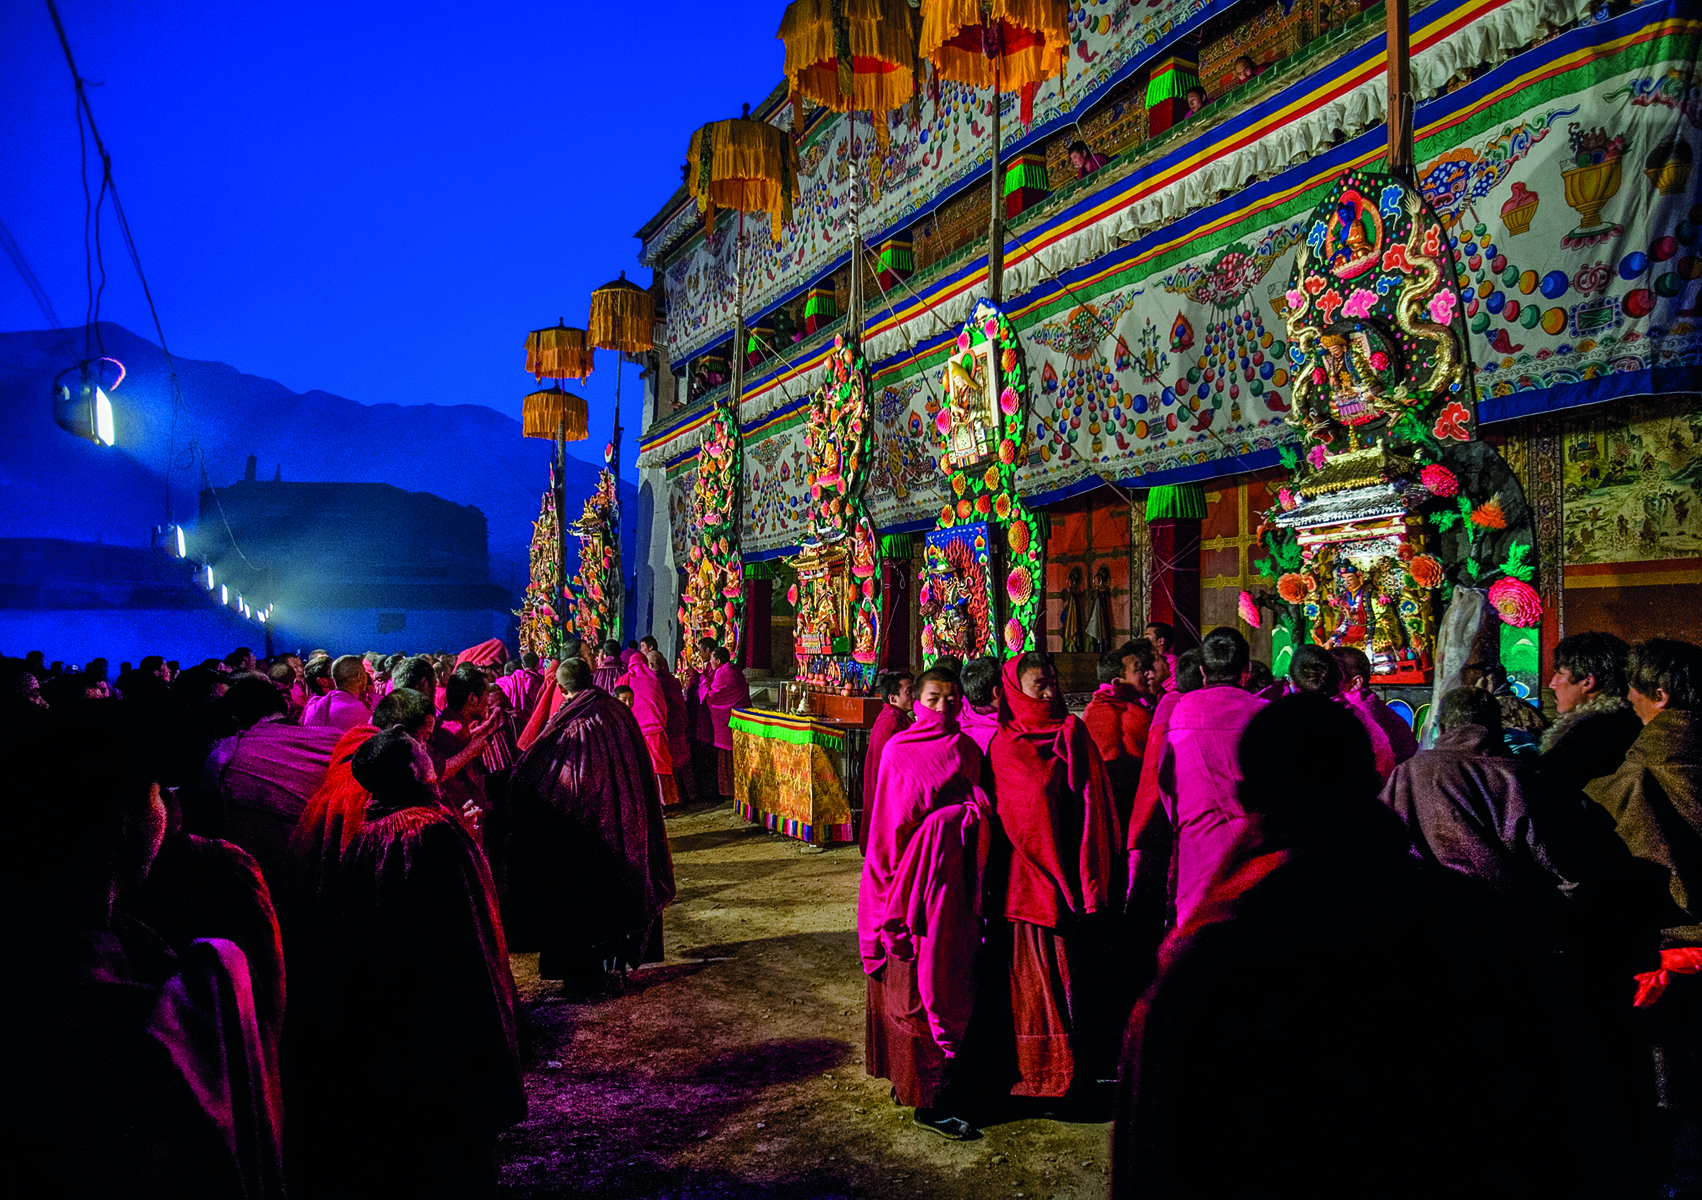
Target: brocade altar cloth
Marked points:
789	775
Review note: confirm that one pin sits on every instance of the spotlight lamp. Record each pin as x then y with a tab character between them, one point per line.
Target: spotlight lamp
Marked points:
81	405
182	547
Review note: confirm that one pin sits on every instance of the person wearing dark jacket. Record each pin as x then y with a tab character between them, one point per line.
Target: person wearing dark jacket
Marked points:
1655	801
1464	804
1596	725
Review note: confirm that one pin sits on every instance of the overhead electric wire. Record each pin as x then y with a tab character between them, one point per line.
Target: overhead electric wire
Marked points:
92	328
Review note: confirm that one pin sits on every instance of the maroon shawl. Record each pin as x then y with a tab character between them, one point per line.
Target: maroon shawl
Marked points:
586	850
415	1029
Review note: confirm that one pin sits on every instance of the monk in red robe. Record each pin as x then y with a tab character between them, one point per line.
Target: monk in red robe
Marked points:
458	744
980	713
919	906
1055	807
205	888
588	866
679	732
1254	1066
898	700
418	1069
1118	716
263	776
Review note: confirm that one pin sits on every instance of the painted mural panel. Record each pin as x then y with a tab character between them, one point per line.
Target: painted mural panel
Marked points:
1632	480
1185	366
679	511
1575	220
776	490
905	484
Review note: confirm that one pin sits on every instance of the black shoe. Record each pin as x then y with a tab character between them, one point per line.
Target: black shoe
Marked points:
954	1129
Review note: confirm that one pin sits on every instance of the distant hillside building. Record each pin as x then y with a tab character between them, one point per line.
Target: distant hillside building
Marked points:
355	566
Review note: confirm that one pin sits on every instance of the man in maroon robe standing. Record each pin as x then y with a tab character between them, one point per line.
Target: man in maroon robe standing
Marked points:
142	1071
679	733
458	743
588	866
419	1066
1052	801
695	676
897	702
1300	1038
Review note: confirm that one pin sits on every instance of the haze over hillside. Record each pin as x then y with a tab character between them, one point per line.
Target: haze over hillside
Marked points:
56	485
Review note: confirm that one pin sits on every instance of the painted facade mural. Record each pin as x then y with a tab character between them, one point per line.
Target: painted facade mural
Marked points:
924	160
1565	216
1575	222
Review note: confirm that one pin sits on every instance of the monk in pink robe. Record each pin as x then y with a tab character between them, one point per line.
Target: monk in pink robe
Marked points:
650	707
679	736
727	691
897	702
264	777
919	924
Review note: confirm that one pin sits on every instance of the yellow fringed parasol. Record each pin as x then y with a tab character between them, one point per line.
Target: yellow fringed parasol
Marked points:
850	55
544	414
1006	45
623	317
558	353
1013	45
743	165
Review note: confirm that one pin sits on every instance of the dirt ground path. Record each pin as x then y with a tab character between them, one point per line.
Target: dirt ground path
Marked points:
736	1067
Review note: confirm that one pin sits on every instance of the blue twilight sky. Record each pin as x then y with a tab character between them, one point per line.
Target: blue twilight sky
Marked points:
378	200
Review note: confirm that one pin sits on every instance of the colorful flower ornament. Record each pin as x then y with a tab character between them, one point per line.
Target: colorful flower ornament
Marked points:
1248	609
1426	572
1439	480
1517	602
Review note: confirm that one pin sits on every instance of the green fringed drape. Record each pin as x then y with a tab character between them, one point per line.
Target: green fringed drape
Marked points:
1027	173
1182	500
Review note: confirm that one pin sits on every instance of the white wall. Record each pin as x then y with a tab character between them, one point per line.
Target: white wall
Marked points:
657	581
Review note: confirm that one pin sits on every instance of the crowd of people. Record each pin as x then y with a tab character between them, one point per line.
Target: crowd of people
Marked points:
1305	956
271	906
271	903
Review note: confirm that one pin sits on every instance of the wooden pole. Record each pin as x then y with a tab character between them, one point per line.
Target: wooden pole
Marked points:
1400	92
561	518
996	226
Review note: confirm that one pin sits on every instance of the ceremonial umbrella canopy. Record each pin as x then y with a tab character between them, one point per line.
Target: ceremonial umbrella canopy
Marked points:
623	317
743	165
561	352
1007	45
851	55
554	414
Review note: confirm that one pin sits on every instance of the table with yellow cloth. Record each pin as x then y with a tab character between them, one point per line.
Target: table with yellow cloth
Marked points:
791	774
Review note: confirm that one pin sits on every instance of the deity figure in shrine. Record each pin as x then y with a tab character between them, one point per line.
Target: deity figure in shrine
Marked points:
1070	617
1099	611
